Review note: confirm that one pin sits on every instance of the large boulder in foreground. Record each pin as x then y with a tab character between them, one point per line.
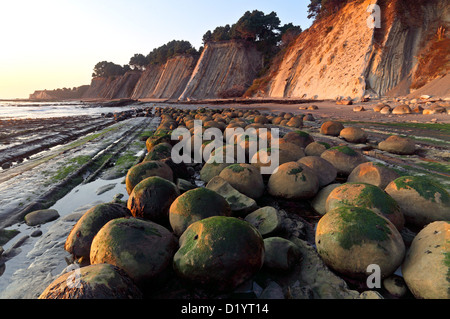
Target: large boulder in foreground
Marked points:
143	249
195	205
79	241
349	239
367	196
293	180
421	200
426	267
151	199
219	253
143	170
343	158
245	178
100	281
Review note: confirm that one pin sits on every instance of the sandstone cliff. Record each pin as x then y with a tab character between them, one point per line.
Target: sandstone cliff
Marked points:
222	66
167	81
341	56
117	87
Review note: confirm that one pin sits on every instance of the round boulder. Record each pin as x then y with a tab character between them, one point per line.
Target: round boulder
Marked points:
99	281
299	138
79	241
367	196
42	216
293	180
421	200
353	135
343	158
349	239
280	254
324	170
143	170
245	178
151	199
372	173
402	109
266	220
426	266
195	205
219	253
143	249
332	128
316	148
398	145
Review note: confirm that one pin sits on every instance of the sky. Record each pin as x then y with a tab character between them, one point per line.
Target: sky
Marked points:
50	44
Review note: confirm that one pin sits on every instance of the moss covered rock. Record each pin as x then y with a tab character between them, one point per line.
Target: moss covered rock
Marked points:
245	178
367	196
316	148
157	138
79	241
213	167
426	268
219	253
373	173
143	249
324	170
159	152
151	199
300	138
143	170
343	158
195	205
349	239
99	281
422	201
293	180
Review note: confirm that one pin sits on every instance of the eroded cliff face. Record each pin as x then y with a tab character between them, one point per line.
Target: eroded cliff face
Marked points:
167	81
117	87
222	66
340	56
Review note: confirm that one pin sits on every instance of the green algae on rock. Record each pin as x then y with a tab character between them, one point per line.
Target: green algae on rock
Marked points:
143	170
349	239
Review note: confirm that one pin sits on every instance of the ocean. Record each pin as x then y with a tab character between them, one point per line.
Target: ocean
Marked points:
35	110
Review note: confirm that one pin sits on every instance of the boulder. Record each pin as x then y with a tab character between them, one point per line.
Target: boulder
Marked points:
266	220
245	178
39	217
354	135
79	241
372	173
195	205
426	266
367	196
349	239
398	145
143	249
293	180
99	281
324	170
296	122
343	158
280	254
162	137
296	152
401	109
151	199
213	167
332	128
395	285
239	203
219	253
385	110
299	138
143	170
421	200
316	148
319	201
159	152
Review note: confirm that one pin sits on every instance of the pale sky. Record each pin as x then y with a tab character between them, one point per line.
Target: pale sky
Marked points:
50	44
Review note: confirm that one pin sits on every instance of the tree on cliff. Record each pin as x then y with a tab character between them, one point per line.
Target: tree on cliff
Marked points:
163	53
138	61
323	8
107	69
